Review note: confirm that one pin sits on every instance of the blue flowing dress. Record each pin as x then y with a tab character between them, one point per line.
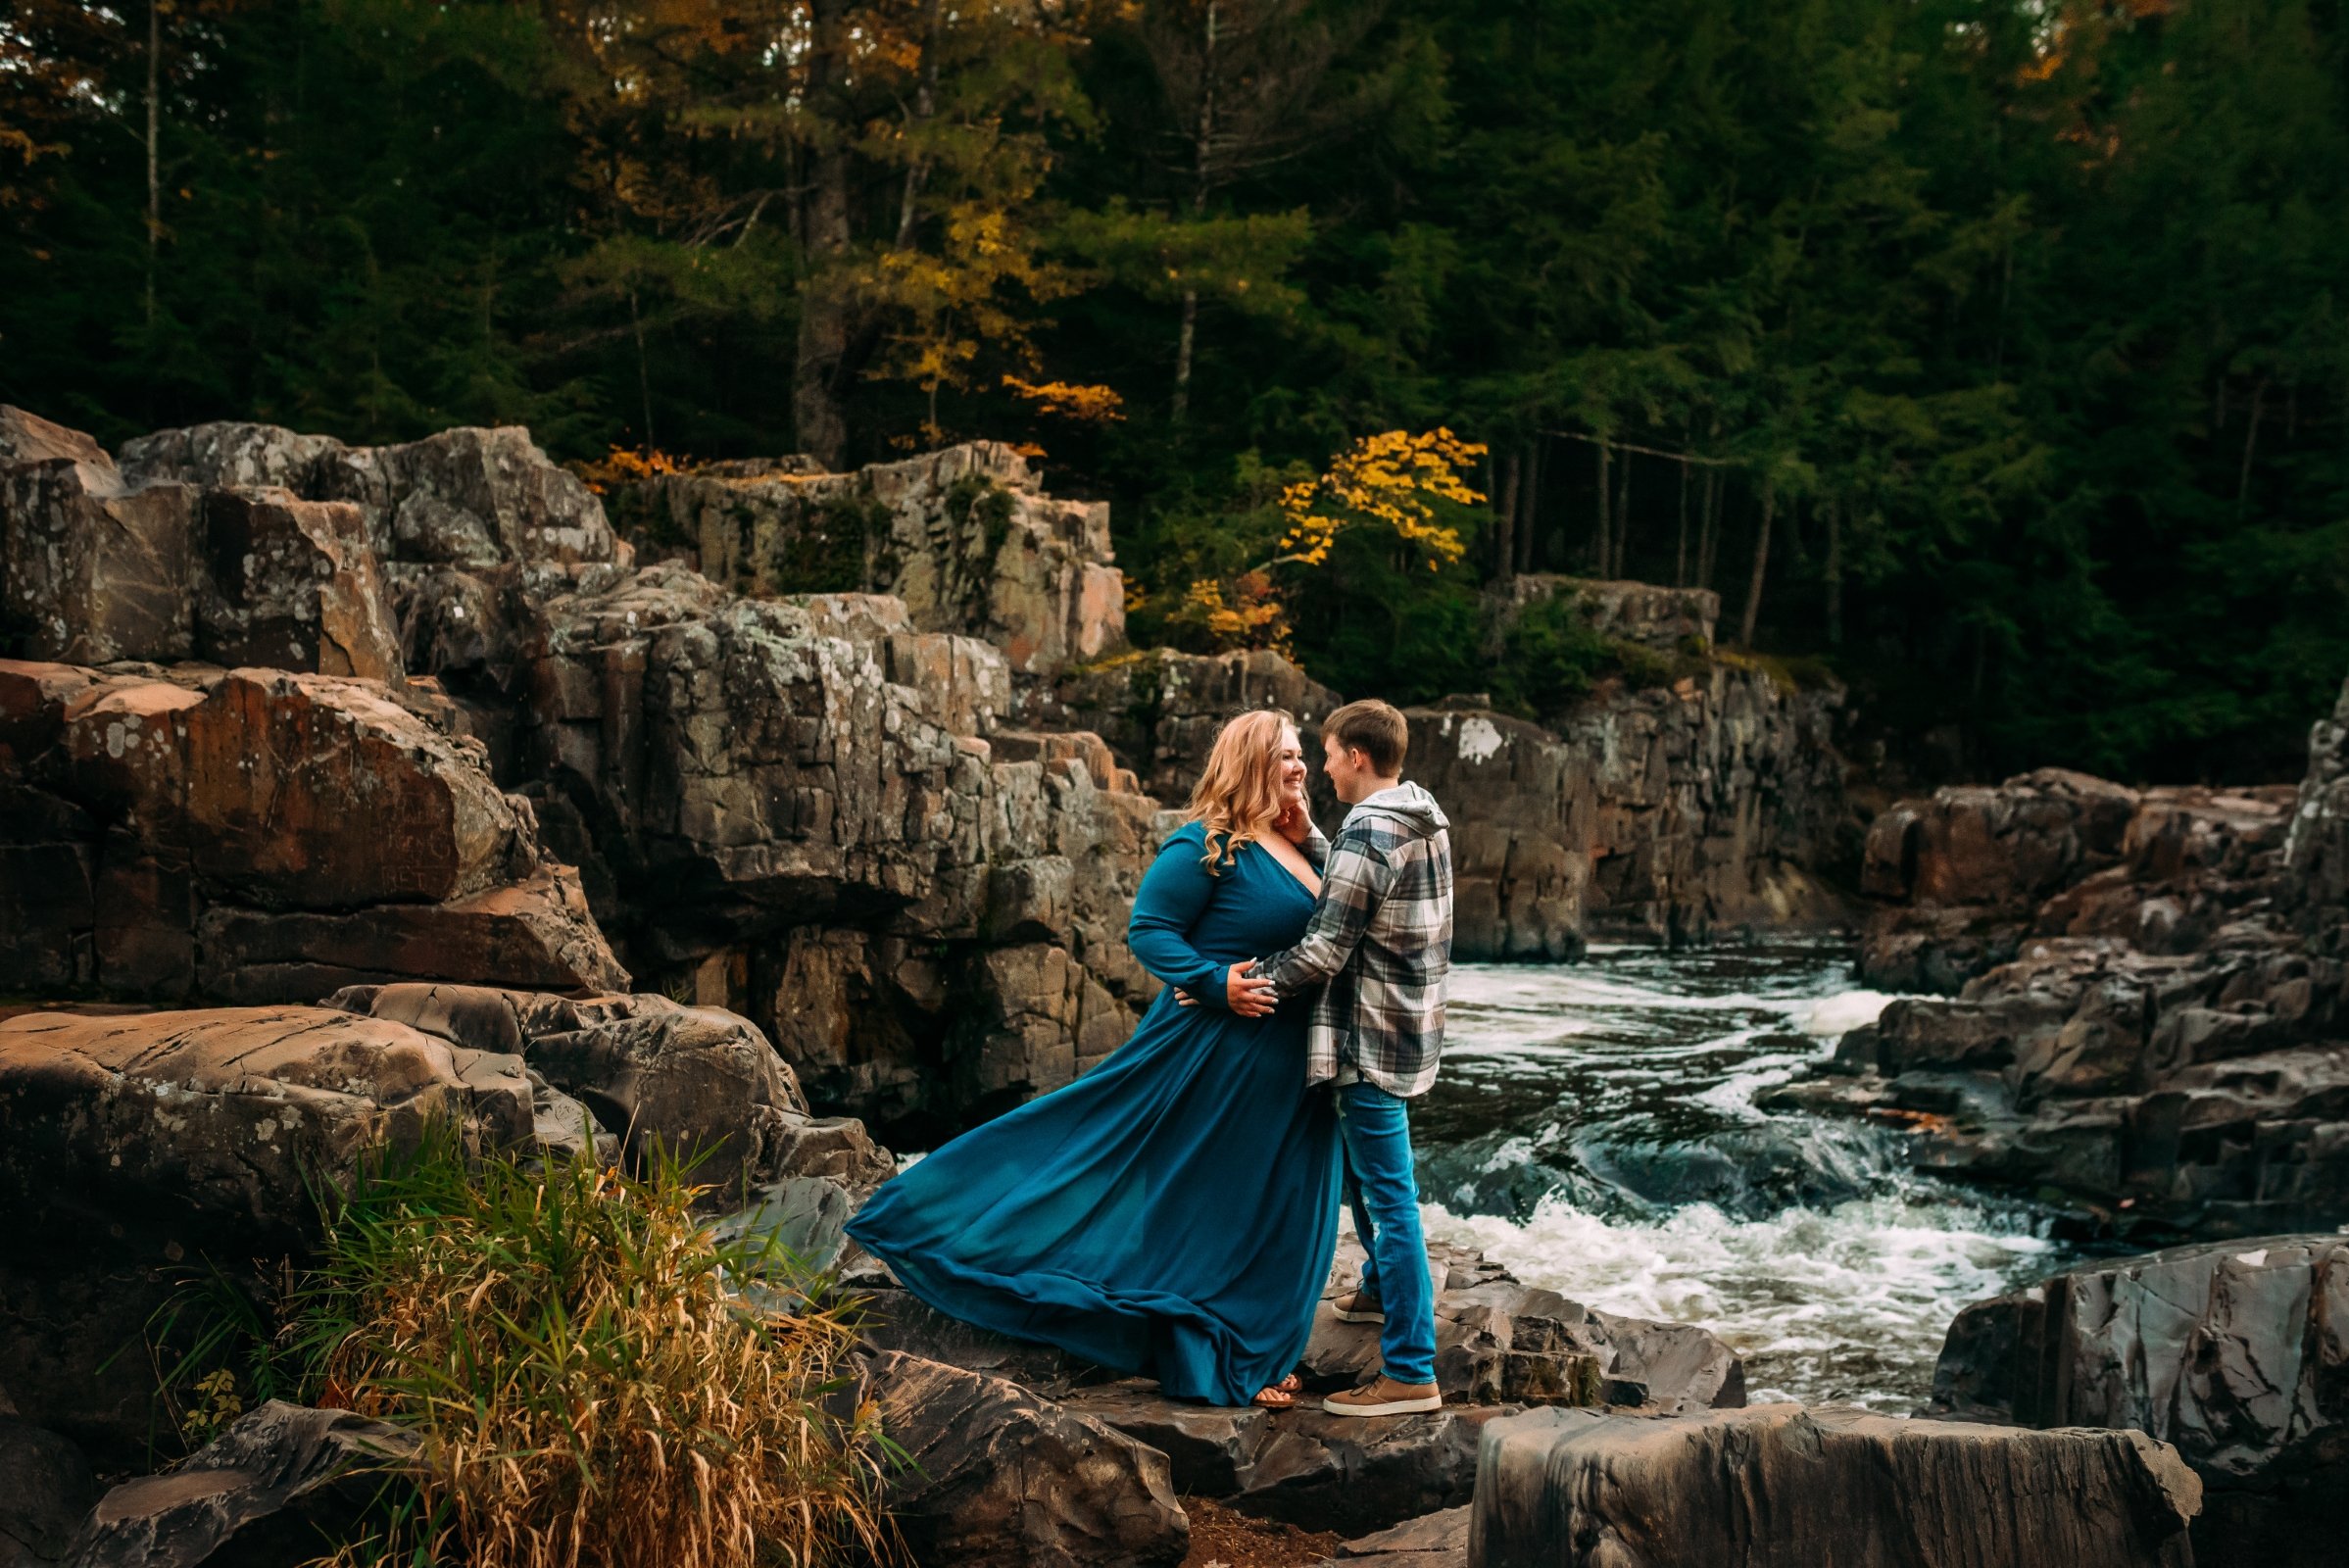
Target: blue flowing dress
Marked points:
1173	1212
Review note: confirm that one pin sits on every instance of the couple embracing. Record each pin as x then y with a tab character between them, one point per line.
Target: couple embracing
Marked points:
1173	1212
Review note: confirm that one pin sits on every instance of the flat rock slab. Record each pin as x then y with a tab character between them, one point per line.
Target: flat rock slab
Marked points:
1000	1477
263	1493
1784	1487
1431	1540
1305	1466
223	1116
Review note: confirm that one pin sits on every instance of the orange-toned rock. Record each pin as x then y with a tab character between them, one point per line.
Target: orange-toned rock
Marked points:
263	836
293	585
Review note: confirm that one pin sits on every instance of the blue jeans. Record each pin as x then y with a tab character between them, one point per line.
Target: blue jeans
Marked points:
1379	1183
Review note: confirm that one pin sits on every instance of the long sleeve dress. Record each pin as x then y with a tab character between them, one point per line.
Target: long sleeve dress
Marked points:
1174	1211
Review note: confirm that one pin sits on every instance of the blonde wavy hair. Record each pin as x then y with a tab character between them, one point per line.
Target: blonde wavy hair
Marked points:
1237	796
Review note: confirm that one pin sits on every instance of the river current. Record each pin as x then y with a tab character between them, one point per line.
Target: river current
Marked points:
1594	1131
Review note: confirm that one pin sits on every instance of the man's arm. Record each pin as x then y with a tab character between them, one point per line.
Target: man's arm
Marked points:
1352	884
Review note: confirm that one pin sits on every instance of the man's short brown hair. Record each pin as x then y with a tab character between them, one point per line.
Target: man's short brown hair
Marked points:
1377	728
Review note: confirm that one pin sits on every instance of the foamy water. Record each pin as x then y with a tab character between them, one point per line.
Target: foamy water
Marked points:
1594	1131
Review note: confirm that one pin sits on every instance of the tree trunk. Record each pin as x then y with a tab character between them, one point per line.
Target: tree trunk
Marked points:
926	105
1528	515
644	377
1504	519
1604	553
1761	562
1203	181
1679	549
1707	537
1834	575
2242	487
827	306
153	164
1623	521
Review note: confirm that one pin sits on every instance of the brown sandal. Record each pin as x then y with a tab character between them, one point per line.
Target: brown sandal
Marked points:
1282	1395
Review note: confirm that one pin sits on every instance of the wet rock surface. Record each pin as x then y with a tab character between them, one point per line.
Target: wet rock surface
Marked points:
1784	1485
278	1489
1001	1476
2236	1352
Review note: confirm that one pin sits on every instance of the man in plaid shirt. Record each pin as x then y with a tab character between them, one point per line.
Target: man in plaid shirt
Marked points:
1380	947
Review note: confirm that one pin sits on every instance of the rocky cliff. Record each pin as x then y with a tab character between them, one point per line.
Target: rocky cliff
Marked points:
2151	1016
861	756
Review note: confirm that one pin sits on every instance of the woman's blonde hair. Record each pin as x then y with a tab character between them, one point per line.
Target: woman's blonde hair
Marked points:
1237	796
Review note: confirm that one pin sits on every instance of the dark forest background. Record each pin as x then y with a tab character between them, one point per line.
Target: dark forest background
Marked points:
1991	352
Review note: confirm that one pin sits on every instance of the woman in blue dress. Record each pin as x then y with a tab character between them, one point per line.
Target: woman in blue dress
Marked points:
1174	1211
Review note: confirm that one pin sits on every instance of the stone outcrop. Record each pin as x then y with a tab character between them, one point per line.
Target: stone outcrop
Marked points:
467	496
193	834
271	1491
1781	1485
1677	813
1967	875
168	1135
929	928
965	537
2156	1023
2237	1353
1159	709
1500	1342
1000	1477
1500	1345
700	1081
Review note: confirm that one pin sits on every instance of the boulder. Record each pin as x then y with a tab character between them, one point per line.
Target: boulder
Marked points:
134	1146
1964	878
702	1082
1781	1485
30	438
91	572
45	1483
293	585
2237	1353
189	834
1500	1342
470	497
223	1119
1000	1478
284	1486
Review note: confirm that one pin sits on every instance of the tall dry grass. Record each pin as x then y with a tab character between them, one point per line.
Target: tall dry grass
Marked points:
590	1384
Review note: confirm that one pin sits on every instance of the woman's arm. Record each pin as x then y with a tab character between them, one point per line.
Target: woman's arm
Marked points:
1174	894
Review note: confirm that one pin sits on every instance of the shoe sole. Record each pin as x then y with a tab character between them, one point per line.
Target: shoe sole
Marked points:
1423	1406
1360	1317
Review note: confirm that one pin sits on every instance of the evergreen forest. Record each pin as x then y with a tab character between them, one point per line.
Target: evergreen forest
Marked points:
1989	355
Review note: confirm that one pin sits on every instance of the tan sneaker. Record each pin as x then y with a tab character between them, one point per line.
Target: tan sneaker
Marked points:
1360	1307
1383	1396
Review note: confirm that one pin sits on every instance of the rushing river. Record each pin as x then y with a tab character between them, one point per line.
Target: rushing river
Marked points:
1594	1131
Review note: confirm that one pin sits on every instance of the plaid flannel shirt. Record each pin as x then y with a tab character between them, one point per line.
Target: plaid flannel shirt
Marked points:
1381	938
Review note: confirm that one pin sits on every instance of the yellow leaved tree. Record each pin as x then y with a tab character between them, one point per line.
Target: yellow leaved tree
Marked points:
1396	482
